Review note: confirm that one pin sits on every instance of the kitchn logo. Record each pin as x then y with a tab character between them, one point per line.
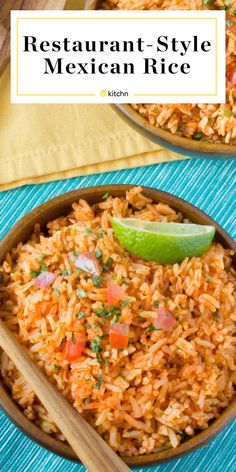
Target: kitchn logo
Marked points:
113	93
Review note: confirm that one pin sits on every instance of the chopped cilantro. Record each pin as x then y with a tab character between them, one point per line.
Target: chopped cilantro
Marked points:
105	196
125	303
56	292
101	233
114	320
156	303
88	231
229	23
216	315
226	7
95	344
78	270
228	113
42	257
197	136
34	274
208	3
151	328
43	266
66	273
97	282
105	268
99	358
73	338
107	312
109	260
81	293
99	383
55	367
208	280
98	252
75	253
80	315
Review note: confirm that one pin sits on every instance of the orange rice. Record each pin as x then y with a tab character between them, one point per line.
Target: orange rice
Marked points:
207	122
165	386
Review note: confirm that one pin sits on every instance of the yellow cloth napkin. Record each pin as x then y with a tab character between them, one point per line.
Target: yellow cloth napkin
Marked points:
39	143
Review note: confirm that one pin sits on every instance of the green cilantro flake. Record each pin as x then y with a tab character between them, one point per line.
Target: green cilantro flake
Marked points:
56	292
101	233
125	303
95	344
216	315
114	320
228	113
34	274
151	328
97	282
81	293
88	231
197	136
99	358
98	253
43	266
156	303
99	383
75	253
105	196
65	273
80	315
42	257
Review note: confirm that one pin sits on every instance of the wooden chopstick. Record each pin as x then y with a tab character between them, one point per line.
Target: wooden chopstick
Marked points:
92	450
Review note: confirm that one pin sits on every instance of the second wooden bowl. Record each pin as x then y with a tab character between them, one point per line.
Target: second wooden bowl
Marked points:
178	144
61	206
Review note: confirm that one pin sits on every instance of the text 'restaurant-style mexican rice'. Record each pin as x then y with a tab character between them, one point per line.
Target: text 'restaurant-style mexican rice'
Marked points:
207	122
86	310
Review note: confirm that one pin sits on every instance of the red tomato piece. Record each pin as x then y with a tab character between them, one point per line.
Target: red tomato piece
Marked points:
231	75
74	348
119	335
115	293
165	319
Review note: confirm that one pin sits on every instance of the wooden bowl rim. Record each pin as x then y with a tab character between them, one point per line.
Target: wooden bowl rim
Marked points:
58	206
176	143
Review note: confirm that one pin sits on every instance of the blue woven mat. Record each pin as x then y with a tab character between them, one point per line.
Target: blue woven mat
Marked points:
211	185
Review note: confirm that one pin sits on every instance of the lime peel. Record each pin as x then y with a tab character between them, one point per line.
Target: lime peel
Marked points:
162	242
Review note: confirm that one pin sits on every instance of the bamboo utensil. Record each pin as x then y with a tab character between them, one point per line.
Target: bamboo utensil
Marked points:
5	7
92	450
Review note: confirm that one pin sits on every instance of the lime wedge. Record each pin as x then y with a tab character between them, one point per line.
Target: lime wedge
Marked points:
166	243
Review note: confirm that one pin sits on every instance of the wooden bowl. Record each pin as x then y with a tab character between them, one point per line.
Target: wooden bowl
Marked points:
178	144
61	205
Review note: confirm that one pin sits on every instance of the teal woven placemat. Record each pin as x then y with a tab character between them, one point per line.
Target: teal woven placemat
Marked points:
211	185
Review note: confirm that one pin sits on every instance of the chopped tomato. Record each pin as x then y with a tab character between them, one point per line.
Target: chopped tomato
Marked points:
165	319
87	262
74	348
231	75
119	335
115	293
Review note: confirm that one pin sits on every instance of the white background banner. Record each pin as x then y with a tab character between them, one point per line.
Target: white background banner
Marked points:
118	57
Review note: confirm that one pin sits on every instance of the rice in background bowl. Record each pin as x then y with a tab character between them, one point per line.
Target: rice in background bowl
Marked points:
165	386
202	122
